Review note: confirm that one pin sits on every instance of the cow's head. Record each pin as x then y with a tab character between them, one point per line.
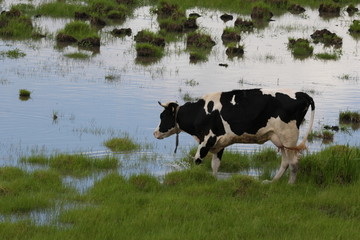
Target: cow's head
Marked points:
168	125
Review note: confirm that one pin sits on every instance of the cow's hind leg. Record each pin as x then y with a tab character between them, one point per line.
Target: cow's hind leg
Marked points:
294	165
284	165
215	162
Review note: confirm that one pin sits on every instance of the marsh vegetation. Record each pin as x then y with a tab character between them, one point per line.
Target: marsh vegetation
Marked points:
81	177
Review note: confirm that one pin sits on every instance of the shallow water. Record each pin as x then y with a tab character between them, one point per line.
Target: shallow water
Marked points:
91	108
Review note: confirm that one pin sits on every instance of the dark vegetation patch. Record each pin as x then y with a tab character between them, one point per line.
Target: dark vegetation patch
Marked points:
16	25
329	10
172	18
260	13
244	25
300	48
327	38
79	32
119	32
349	117
234	51
199	40
351	9
296	9
355	28
230	35
146	36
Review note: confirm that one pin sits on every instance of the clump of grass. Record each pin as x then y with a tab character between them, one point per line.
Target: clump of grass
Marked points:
59	9
13	24
73	164
77	55
300	48
144	182
149	50
346	117
78	31
337	164
15	53
327	56
118	144
327	38
234	50
24	94
355	28
230	34
326	136
199	40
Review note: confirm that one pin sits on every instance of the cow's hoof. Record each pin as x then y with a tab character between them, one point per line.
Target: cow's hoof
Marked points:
198	161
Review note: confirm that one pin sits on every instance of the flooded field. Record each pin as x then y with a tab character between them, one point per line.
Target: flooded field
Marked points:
111	94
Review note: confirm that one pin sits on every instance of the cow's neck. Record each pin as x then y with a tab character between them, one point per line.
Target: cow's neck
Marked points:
187	115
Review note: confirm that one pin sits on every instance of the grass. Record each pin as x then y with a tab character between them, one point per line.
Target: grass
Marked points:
14	54
24	93
191	204
73	164
22	192
349	117
118	144
59	9
300	48
355	27
327	56
77	55
15	25
79	30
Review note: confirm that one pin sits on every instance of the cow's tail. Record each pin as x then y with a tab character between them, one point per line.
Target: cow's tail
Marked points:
302	145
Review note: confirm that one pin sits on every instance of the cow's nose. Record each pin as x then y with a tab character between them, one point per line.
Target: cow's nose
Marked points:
156	134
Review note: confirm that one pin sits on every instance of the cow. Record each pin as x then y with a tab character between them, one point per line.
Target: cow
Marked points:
256	116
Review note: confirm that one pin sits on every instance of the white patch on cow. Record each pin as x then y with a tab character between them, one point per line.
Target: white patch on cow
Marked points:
233	100
273	92
215	97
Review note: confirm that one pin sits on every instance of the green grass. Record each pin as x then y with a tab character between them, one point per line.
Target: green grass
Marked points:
14	54
349	117
300	48
59	9
355	27
24	93
73	164
192	204
327	56
22	192
118	144
79	30
16	25
77	55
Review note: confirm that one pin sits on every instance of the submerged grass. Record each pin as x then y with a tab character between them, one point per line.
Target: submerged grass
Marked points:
73	164
119	144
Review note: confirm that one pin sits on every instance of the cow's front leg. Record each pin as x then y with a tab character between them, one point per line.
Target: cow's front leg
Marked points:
215	162
204	148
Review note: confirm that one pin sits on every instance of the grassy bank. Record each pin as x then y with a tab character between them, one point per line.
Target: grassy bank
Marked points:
192	204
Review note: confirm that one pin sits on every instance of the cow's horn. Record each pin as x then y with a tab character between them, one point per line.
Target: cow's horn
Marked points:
163	105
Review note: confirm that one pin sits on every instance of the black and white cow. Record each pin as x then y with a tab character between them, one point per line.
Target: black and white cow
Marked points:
220	119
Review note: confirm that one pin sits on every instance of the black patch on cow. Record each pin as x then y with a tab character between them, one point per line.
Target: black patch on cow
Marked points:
203	152
220	153
210	106
194	120
211	142
253	109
